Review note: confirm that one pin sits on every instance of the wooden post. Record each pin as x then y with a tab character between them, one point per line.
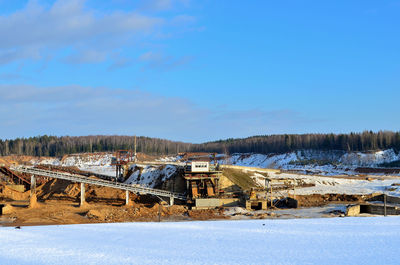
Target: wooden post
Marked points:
83	194
270	193
135	151
384	203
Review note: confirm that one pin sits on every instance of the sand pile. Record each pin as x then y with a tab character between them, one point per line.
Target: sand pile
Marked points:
22	159
66	190
136	212
8	193
322	199
207	214
58	189
8	209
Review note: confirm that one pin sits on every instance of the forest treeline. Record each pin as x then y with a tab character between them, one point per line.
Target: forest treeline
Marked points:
264	144
59	146
365	141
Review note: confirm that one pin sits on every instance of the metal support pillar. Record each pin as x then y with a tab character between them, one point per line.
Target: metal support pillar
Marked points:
33	185
32	198
127	197
171	200
83	194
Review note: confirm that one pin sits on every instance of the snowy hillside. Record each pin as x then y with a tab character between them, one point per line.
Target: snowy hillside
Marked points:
369	159
311	167
321	159
95	162
356	240
151	176
87	160
98	162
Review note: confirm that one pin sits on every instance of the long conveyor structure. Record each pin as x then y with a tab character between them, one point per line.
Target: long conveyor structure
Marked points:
137	189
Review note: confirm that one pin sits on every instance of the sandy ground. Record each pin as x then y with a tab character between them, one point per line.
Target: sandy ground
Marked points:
55	212
58	203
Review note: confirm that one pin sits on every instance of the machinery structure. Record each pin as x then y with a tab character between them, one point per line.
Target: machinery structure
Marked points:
137	189
202	179
122	161
257	200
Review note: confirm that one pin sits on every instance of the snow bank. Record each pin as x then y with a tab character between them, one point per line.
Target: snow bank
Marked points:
362	240
369	159
334	162
169	158
87	160
151	176
49	161
260	160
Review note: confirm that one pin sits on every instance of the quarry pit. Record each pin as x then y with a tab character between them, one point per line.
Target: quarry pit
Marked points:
217	191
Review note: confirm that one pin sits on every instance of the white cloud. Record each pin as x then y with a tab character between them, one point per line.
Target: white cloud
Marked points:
35	30
159	61
163	5
87	56
183	20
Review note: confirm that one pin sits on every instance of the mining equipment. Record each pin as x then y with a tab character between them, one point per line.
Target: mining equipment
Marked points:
202	180
122	160
257	200
204	187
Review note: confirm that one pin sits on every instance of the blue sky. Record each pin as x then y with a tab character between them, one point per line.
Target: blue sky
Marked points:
198	70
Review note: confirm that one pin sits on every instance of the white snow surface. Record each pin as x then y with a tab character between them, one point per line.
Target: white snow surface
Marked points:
369	159
263	161
96	162
357	240
88	160
150	176
338	162
338	185
169	158
350	186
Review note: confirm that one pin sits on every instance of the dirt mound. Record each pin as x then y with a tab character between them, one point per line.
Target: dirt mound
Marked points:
21	160
208	214
144	157
135	213
33	203
58	189
322	199
95	214
8	193
65	190
8	209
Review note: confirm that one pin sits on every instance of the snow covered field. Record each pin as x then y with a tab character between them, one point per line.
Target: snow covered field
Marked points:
365	240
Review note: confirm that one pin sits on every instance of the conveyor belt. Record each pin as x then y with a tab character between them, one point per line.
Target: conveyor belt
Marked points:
99	182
